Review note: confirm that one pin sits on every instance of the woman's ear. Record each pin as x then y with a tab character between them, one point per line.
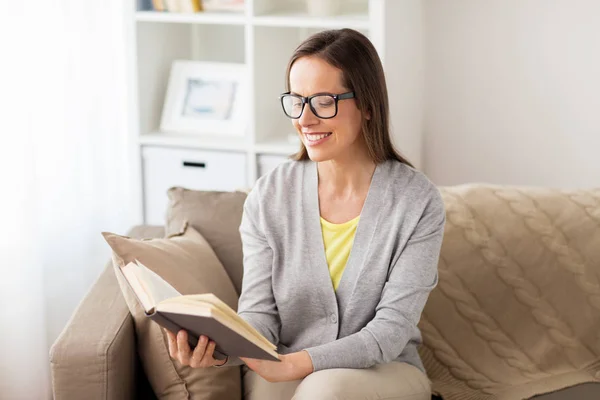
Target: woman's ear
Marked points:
366	112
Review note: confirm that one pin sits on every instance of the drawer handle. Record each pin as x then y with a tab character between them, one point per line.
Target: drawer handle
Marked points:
194	164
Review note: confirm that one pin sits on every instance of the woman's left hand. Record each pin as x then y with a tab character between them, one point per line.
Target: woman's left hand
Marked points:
291	367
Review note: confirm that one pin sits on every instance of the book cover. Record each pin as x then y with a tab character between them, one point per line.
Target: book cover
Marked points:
202	314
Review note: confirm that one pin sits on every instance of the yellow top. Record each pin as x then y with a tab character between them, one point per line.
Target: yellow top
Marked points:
338	239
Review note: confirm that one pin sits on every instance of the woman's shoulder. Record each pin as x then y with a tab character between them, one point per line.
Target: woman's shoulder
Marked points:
410	183
283	176
407	175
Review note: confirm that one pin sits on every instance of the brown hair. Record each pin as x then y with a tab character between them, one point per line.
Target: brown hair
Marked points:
362	73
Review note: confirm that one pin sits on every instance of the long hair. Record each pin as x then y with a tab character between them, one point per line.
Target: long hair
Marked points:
362	72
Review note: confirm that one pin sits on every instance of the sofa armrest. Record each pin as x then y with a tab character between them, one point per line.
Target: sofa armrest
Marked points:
94	356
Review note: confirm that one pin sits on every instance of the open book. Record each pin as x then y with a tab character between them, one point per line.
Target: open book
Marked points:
201	314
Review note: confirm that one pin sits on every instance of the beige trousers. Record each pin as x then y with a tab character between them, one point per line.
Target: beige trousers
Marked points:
392	381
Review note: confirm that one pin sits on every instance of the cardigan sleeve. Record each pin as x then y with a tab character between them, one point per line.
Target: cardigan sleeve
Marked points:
257	304
412	277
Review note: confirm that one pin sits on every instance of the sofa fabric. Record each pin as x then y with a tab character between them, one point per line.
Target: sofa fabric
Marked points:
513	315
187	262
217	216
517	309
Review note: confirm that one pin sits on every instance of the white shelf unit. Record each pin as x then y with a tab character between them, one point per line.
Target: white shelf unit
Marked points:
263	38
195	18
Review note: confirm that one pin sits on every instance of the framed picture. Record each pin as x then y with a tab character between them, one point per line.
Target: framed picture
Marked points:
206	98
223	5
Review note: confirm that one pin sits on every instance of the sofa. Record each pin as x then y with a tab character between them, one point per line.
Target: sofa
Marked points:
516	313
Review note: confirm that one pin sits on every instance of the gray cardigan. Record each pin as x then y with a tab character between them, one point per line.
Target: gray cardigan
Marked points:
287	293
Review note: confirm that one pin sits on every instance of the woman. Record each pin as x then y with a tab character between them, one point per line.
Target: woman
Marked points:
340	245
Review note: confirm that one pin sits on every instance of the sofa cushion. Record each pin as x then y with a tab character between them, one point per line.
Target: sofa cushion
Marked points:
217	216
517	308
187	262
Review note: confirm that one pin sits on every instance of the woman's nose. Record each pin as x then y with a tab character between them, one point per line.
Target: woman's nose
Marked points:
308	117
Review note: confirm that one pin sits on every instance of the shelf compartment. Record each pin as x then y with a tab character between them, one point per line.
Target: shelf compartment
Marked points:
158	45
165	167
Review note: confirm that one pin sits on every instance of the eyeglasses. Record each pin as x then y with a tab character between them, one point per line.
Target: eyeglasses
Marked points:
323	105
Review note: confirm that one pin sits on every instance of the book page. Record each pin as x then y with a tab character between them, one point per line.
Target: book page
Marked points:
214	300
156	287
130	273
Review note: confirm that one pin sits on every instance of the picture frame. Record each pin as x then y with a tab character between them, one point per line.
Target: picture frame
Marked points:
206	98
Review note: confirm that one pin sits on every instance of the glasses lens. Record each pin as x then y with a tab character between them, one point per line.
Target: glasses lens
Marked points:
292	105
324	106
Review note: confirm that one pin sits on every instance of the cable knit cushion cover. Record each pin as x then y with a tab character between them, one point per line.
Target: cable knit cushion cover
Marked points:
517	309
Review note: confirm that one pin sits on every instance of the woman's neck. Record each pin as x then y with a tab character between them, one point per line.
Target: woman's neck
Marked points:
346	177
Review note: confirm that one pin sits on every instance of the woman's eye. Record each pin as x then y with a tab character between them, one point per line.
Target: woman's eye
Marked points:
325	103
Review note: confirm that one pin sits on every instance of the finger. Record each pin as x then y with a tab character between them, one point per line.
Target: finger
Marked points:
245	360
209	358
172	341
197	356
251	363
184	352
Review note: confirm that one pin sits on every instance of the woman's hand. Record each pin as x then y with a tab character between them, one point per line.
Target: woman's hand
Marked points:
201	357
291	367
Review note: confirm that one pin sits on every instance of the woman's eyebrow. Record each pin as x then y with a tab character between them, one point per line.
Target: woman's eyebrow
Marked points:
319	92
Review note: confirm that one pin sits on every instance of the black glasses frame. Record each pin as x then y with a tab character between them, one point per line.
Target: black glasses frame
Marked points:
307	100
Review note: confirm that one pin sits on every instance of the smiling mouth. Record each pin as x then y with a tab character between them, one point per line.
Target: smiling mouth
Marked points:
313	137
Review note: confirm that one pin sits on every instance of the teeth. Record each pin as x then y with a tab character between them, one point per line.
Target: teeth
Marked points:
314	138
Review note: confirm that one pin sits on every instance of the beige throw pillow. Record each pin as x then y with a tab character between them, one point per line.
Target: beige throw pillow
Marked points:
187	262
217	216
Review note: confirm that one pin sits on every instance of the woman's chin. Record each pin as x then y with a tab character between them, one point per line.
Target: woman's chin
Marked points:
318	155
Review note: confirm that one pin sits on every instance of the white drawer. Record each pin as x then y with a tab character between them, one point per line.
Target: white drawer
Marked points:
267	162
165	167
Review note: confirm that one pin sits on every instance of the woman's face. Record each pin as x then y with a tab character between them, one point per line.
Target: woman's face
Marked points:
325	139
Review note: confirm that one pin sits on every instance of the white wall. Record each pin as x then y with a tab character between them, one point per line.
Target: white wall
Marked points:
400	37
512	92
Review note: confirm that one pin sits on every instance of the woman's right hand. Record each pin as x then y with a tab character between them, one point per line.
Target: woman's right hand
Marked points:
201	357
